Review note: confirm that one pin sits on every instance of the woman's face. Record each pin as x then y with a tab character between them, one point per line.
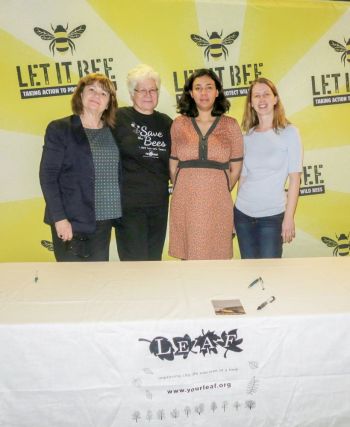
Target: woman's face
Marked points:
95	99
145	98
204	93
263	100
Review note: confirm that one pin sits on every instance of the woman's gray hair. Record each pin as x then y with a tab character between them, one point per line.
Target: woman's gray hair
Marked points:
138	74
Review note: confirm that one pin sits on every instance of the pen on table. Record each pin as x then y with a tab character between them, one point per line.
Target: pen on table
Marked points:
264	304
36	277
254	282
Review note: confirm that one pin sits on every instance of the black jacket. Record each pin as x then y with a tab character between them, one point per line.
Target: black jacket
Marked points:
67	175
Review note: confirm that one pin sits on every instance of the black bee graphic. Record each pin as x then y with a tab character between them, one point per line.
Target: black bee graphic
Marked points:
61	41
338	47
341	247
215	46
47	244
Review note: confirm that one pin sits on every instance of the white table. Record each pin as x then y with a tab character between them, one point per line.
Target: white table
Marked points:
75	344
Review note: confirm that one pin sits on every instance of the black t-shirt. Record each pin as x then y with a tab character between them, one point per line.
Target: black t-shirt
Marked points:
144	144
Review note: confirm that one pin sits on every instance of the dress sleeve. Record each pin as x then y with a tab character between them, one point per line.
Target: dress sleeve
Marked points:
175	131
237	143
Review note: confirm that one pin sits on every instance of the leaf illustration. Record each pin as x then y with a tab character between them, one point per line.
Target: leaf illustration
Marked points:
230	342
148	394
161	347
207	343
253	386
253	364
183	345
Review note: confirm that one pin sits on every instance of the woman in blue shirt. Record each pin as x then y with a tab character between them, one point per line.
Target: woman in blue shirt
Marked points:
263	214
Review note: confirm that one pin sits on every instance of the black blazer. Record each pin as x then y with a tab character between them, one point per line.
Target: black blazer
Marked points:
67	175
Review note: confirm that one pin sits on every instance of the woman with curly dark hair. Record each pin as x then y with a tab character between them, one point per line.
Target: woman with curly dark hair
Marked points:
205	163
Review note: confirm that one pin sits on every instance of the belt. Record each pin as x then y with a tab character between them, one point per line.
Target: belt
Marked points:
207	164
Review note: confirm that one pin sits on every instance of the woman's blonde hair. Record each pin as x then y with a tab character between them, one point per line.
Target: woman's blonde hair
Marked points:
108	115
250	117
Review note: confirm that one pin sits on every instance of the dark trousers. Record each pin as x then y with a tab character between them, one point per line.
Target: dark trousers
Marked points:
141	233
259	237
84	247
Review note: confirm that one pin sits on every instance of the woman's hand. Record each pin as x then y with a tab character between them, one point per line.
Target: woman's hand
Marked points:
288	230
288	226
64	230
172	169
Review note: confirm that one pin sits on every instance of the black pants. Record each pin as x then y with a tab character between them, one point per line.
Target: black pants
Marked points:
84	247
141	233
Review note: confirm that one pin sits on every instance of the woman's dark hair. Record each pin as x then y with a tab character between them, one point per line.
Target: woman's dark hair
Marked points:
108	115
186	104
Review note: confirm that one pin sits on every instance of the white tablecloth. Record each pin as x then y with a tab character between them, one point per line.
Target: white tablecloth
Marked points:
124	344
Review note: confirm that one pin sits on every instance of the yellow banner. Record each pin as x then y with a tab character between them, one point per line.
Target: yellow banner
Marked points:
303	46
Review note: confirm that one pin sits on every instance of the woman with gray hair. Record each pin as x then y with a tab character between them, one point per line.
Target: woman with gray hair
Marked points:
143	137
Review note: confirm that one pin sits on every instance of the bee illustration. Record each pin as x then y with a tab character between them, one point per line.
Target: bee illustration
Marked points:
338	47
47	244
341	247
61	41
215	45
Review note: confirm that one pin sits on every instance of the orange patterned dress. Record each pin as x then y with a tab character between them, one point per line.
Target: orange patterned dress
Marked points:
201	216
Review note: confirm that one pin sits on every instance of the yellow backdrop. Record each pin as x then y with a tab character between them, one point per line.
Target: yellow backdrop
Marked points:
303	46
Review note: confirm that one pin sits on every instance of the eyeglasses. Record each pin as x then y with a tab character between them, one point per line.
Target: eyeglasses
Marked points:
145	92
